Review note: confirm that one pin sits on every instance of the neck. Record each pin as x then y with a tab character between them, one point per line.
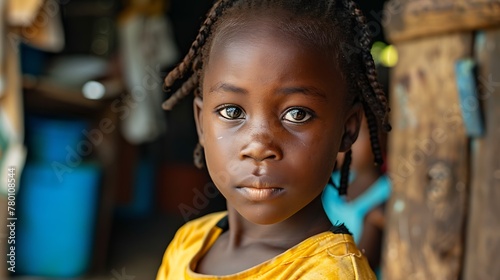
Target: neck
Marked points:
309	221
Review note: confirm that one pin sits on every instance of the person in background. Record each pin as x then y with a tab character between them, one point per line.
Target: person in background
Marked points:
362	209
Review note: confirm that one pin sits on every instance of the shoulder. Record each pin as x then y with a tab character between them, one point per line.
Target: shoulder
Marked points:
334	256
186	243
350	261
197	228
340	244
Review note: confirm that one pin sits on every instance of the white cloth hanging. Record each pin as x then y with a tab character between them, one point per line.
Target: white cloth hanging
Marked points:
147	45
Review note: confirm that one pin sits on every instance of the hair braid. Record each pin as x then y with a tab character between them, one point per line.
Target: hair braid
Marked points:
374	99
191	85
194	51
185	89
344	173
382	110
374	135
379	107
193	62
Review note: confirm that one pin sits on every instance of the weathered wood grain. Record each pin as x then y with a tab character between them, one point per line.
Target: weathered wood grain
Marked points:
406	20
428	161
482	259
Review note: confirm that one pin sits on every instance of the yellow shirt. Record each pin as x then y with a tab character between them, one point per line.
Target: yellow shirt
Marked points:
322	256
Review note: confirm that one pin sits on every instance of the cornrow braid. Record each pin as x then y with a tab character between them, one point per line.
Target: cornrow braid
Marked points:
365	42
344	173
381	107
374	135
374	101
185	89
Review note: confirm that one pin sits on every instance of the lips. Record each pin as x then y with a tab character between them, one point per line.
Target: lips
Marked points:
260	194
260	189
260	186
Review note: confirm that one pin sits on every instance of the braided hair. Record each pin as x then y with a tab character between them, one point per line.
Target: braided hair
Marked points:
329	24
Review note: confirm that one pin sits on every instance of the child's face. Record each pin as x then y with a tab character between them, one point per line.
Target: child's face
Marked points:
272	119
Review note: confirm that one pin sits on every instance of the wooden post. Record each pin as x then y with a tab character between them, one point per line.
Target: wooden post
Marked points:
483	232
427	162
429	156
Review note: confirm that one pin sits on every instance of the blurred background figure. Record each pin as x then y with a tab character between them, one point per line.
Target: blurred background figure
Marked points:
362	209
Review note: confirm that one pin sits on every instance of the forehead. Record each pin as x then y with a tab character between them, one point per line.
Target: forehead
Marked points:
261	40
277	22
259	44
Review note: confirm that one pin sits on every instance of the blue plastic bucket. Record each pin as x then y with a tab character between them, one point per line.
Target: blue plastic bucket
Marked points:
56	220
52	139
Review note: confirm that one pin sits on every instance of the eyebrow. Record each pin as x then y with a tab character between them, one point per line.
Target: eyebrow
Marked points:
225	87
312	91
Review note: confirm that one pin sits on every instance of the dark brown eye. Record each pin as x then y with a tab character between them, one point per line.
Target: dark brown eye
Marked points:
231	113
297	115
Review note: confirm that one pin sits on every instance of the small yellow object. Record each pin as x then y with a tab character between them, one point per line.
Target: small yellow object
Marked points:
376	49
389	56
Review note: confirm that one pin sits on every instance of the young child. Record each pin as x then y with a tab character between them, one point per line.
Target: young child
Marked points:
279	90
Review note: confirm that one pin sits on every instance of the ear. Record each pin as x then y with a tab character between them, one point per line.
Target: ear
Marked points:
351	127
198	118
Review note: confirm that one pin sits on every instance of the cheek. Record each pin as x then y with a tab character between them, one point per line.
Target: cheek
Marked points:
316	159
220	154
325	163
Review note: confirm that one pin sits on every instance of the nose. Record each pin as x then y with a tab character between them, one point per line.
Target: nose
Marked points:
262	145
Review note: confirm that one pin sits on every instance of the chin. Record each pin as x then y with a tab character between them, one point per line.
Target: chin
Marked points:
264	216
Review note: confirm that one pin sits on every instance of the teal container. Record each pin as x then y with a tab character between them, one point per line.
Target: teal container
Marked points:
57	139
56	220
